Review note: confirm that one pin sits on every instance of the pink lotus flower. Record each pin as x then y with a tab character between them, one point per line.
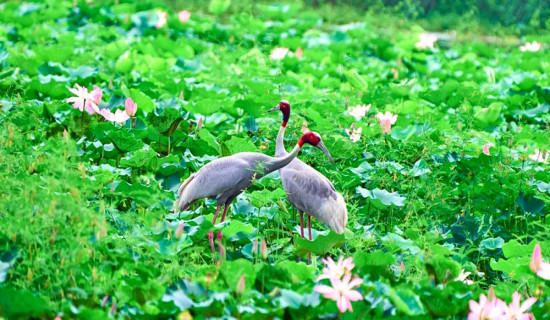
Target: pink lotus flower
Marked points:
515	311
85	100
336	270
278	53
386	121
299	53
354	133
539	156
130	107
541	268
426	40
105	113
341	291
80	99
161	19
359	111
94	99
486	148
531	46
120	116
463	277
95	95
184	16
490	308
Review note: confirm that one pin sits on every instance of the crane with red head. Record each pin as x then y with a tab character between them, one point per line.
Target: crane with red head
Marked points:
225	178
307	189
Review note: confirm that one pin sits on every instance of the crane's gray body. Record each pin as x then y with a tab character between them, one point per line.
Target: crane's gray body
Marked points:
225	178
311	192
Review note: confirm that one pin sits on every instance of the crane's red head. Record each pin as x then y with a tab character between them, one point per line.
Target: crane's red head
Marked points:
314	139
284	106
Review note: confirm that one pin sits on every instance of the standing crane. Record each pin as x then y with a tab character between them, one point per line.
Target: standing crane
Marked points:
225	178
306	188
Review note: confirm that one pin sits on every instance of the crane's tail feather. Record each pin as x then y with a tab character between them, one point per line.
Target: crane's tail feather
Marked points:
336	214
183	201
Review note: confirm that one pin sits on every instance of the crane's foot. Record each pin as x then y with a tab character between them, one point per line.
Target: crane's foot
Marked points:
221	248
211	240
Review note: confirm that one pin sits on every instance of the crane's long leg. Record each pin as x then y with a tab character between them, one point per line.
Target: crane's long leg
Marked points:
211	233
219	234
309	236
309	226
301	223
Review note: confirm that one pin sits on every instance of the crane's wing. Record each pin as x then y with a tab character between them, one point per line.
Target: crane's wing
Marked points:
212	180
222	179
305	189
305	169
311	192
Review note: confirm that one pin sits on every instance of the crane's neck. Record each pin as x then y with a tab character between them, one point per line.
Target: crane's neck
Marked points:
277	163
280	144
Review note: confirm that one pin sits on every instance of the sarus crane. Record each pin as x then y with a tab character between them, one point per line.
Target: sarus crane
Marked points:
225	178
307	189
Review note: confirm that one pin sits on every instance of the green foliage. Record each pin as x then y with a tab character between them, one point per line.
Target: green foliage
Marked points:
21	303
446	12
320	245
87	222
218	6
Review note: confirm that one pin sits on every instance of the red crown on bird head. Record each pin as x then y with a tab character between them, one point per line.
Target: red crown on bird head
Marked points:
310	137
284	106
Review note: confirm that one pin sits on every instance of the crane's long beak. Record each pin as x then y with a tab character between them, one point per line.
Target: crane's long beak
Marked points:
321	146
275	108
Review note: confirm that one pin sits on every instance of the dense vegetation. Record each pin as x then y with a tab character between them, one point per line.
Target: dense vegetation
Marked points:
520	15
459	183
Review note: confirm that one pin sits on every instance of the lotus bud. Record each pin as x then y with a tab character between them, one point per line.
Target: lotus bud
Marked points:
179	231
241	286
255	247
299	52
200	124
263	249
112	310
104	301
131	107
